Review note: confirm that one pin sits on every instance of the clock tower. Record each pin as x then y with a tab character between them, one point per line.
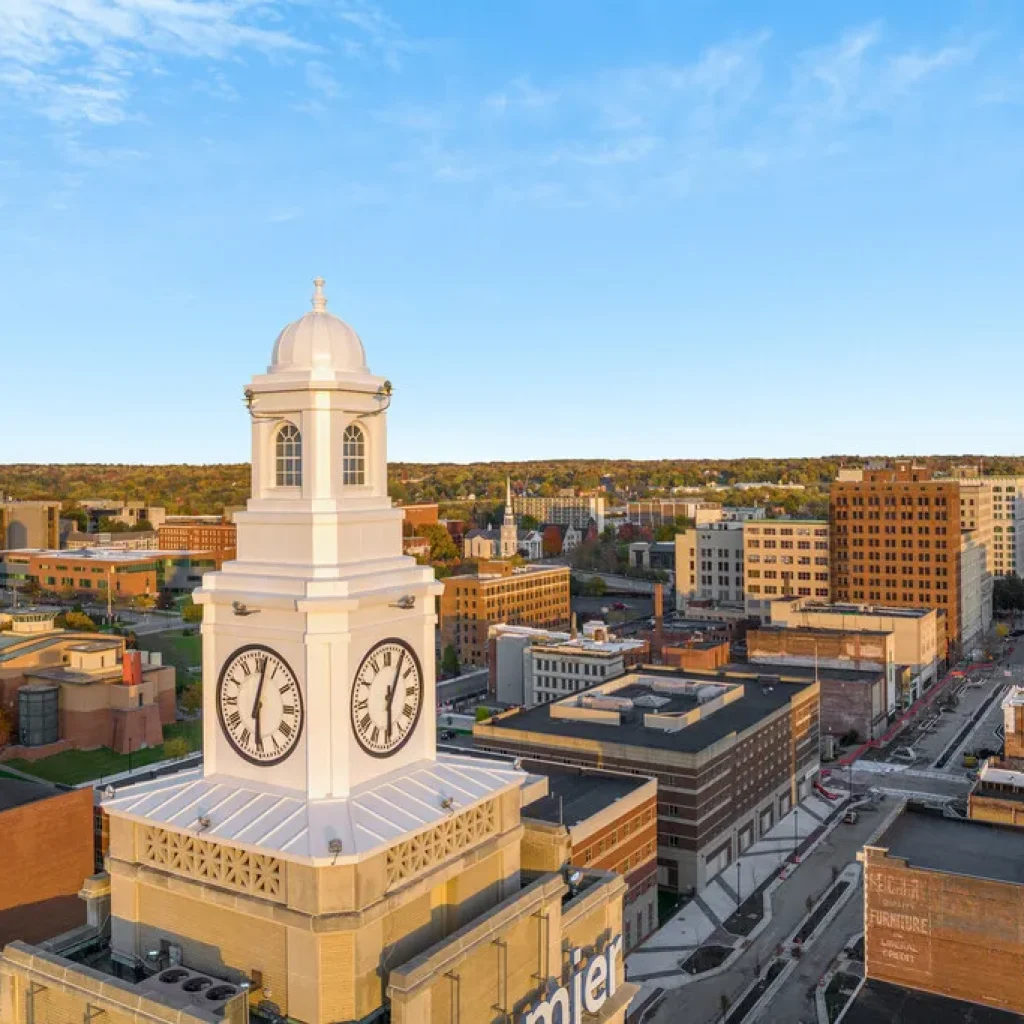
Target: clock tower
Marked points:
324	839
318	641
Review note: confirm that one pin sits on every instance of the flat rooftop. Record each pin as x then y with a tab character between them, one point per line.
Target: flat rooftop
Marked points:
99	554
822	631
975	849
787	673
878	1002
16	792
697	645
574	795
755	703
857	609
583	644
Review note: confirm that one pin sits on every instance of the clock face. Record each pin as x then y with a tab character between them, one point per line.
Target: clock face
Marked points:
259	704
387	695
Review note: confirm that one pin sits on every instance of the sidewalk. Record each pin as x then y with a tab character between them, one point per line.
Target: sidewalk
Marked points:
659	958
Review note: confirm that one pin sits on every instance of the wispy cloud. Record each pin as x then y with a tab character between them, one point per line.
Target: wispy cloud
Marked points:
382	37
320	79
856	77
76	60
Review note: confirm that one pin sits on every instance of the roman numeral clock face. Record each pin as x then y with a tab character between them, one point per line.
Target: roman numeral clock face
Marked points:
387	695
259	704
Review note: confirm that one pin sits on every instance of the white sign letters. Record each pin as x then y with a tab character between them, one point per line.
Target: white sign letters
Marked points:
588	989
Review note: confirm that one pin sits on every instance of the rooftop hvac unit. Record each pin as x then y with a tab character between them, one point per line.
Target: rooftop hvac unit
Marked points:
606	703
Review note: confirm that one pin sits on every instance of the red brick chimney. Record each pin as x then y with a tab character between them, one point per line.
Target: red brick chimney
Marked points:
131	668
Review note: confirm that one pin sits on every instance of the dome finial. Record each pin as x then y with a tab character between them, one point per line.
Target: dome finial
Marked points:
319	299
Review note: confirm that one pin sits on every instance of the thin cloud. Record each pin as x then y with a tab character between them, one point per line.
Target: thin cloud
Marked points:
320	78
77	59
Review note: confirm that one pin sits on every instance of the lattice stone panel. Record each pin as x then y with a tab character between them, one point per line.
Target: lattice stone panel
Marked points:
451	836
213	862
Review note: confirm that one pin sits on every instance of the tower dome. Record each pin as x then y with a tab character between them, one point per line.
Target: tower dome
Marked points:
319	342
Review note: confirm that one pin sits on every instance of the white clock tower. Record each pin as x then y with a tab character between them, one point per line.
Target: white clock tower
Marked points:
318	642
324	840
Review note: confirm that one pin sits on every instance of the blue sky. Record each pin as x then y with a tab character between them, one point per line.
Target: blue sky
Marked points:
645	229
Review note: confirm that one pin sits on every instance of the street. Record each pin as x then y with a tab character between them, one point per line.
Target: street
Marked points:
702	1000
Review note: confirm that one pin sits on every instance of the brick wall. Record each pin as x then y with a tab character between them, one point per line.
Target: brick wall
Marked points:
955	935
697	659
48	850
847	705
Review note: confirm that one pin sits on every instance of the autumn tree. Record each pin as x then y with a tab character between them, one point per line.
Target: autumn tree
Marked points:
442	547
192	699
191	612
175	747
77	621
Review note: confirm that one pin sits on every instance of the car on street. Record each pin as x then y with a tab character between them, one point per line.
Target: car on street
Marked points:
851	817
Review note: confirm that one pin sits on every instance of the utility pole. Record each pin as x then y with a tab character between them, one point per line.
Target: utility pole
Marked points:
110	594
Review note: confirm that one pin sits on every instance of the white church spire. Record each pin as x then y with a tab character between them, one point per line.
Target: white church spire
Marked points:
508	541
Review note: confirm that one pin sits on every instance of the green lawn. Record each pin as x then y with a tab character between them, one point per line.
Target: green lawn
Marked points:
183	652
74	766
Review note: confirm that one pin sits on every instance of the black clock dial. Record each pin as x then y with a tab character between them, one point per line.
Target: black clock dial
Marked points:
259	704
387	697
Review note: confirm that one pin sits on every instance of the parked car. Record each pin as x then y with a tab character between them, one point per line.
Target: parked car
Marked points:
851	817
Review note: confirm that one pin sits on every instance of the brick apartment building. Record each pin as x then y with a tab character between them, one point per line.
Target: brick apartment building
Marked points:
527	596
181	533
90	572
784	557
730	757
896	540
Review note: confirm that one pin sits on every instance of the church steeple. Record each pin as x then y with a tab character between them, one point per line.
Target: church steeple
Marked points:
509	541
509	517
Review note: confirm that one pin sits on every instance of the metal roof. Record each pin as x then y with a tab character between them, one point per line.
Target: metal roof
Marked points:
272	819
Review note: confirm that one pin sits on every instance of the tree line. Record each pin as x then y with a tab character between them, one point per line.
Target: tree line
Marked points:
472	490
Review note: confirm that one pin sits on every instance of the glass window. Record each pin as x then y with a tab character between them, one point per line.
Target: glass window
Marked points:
288	451
353	466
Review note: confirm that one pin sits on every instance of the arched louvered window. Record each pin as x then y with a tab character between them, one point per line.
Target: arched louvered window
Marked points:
288	456
353	456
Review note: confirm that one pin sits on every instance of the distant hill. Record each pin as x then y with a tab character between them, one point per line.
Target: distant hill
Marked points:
208	488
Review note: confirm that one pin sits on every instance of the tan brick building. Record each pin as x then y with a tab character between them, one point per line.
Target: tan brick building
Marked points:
29	524
782	558
527	596
67	690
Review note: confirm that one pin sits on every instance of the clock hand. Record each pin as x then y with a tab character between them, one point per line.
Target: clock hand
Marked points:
257	703
392	690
